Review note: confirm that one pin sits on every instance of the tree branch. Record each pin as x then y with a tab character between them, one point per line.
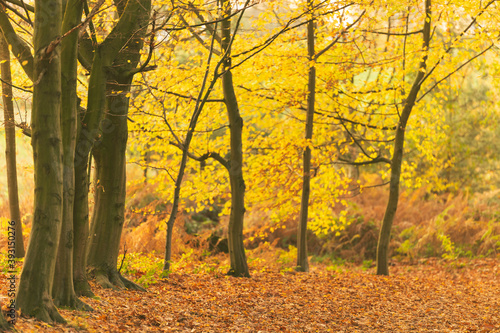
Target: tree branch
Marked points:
204	157
20	49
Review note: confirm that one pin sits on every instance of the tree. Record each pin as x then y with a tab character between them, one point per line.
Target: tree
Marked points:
422	74
10	146
397	157
234	165
113	68
35	286
237	255
302	262
63	290
67	261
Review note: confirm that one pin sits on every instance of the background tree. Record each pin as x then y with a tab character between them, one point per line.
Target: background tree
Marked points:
385	231
237	255
10	146
302	261
408	103
238	262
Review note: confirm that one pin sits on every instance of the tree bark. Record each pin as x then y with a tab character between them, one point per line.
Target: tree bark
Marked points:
35	288
63	290
123	46
397	158
81	216
237	255
4	325
108	219
302	262
10	147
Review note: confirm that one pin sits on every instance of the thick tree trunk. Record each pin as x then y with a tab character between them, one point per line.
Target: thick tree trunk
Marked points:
119	54
63	290
237	255
302	262
35	288
122	47
397	158
109	211
10	147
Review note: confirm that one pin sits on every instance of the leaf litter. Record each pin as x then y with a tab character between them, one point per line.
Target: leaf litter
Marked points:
431	297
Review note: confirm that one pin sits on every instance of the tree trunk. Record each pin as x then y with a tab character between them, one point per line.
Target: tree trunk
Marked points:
117	54
110	151
4	325
63	290
109	211
302	262
10	147
200	103
35	288
237	255
81	217
88	131
397	158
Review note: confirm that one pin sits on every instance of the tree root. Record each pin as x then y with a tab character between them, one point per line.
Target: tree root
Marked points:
82	288
46	312
233	273
73	303
4	325
114	280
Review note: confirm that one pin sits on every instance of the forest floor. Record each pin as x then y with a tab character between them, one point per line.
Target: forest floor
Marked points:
433	296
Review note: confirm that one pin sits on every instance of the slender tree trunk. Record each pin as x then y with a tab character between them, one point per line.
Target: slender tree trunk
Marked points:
200	103
397	158
81	218
89	130
237	255
302	262
63	290
35	288
10	147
